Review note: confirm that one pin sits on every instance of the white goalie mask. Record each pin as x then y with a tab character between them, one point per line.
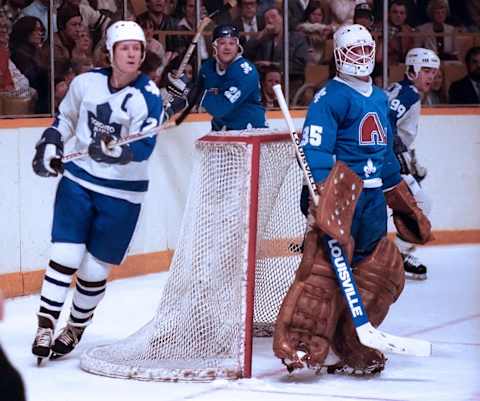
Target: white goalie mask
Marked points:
419	57
354	50
121	31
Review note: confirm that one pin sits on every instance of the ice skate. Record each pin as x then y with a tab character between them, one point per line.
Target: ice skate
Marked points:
42	343
414	269
67	340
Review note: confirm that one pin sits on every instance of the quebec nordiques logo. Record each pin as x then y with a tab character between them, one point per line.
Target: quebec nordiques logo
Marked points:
370	131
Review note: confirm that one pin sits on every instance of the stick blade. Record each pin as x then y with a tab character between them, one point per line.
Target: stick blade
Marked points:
373	338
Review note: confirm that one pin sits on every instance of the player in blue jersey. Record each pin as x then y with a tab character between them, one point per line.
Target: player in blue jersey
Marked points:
230	85
99	197
347	122
405	103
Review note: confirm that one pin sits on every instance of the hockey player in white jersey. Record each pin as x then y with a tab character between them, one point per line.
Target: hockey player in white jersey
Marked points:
99	197
405	103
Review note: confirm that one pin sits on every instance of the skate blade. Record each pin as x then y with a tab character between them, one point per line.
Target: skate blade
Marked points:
55	356
415	276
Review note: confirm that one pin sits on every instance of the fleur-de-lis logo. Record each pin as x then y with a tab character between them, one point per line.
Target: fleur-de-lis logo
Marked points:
369	168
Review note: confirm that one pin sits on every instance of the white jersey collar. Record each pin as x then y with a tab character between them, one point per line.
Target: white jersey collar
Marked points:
362	87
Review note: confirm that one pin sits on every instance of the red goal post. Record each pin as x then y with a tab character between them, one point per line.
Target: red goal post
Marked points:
236	257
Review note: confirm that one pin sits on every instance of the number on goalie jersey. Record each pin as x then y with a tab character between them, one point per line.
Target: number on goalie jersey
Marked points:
231	83
99	197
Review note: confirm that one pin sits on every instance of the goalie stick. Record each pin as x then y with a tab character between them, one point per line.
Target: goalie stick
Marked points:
367	334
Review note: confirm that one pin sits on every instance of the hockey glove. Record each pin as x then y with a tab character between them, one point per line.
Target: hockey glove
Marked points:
177	87
47	161
103	150
412	225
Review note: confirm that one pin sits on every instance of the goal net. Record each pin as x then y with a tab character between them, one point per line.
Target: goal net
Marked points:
237	253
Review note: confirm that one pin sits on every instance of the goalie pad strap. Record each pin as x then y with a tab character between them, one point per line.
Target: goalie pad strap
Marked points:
412	225
339	194
380	279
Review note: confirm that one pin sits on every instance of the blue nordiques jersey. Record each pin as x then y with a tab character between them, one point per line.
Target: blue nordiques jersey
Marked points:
345	124
232	97
405	104
91	107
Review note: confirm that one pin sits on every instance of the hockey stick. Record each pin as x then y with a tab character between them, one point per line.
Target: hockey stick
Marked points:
123	141
203	24
367	334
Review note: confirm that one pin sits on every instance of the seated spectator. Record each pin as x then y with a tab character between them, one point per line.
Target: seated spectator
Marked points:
95	21
40	9
188	23
69	22
467	89
12	9
248	20
157	12
317	30
363	15
400	39
341	11
473	10
442	41
82	52
152	66
12	82
436	94
267	48
271	76
26	40
153	45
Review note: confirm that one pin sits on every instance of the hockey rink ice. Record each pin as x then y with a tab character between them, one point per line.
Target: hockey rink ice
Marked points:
444	309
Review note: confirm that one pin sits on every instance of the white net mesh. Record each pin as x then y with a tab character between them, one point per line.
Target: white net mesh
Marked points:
200	328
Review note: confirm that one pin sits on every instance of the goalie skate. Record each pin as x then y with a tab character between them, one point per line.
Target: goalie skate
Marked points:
414	269
66	341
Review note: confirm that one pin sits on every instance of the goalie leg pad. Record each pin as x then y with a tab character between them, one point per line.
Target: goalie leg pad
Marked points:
310	310
380	279
339	194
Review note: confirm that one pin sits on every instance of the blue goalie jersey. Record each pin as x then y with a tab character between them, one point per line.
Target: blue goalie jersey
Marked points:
343	123
232	96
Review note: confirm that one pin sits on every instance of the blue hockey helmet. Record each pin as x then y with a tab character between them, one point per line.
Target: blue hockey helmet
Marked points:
225	31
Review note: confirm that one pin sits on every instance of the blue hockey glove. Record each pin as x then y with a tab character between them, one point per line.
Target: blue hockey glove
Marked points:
47	161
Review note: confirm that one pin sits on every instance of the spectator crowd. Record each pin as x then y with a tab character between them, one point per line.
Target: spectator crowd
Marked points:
37	66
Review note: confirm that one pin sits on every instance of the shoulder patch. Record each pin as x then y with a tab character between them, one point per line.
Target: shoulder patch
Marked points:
246	67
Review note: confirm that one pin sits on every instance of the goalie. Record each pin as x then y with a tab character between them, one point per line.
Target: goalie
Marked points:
347	121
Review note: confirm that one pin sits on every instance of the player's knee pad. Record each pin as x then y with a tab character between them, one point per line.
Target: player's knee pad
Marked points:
93	269
309	313
68	255
380	279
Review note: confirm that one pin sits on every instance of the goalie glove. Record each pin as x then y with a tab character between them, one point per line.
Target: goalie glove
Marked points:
412	225
103	150
47	161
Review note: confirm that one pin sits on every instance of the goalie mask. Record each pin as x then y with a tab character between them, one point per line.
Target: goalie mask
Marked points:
226	31
418	58
121	31
354	50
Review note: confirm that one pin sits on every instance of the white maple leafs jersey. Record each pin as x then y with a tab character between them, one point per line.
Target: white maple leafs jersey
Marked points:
91	107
